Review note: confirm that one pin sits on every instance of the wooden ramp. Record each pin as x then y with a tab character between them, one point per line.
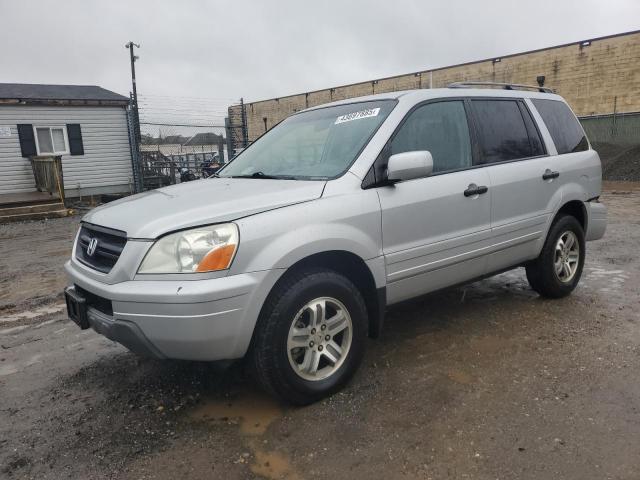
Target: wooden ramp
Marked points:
18	207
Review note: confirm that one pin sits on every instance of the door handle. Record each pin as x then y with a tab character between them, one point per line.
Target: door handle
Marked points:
474	189
549	175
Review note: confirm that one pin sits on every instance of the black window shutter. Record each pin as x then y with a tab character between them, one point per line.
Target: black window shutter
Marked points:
27	140
74	133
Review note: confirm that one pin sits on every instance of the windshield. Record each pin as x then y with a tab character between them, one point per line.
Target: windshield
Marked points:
314	145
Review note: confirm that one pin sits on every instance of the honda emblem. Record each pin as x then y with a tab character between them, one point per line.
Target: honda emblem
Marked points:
91	248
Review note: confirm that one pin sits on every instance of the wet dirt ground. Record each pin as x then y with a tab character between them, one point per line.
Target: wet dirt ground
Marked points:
486	381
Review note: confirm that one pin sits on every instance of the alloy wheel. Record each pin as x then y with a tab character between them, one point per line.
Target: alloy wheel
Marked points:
319	338
567	256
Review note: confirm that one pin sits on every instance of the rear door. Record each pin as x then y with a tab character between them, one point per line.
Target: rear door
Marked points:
523	185
433	234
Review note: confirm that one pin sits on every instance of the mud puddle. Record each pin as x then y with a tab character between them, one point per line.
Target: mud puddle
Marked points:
273	465
253	412
461	377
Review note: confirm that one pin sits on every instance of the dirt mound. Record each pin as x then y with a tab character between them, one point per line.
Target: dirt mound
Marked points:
619	162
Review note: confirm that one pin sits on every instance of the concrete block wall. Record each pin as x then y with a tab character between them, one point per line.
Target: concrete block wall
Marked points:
596	77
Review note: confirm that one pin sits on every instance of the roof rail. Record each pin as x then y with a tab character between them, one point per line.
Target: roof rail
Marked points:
504	86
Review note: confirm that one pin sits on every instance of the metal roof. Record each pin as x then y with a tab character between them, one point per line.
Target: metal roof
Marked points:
31	92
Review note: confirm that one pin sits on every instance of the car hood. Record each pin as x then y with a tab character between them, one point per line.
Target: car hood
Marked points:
201	202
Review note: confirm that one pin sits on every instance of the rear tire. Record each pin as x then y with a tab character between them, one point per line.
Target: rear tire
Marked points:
557	271
311	336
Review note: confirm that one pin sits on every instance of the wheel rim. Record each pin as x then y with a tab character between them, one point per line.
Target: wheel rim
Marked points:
319	338
567	256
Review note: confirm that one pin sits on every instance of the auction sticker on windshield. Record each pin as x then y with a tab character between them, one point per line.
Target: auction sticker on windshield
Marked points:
369	112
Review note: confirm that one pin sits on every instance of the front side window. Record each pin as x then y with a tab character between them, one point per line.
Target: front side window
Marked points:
51	140
566	132
314	145
442	129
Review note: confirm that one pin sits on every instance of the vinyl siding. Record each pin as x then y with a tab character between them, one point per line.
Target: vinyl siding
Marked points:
105	165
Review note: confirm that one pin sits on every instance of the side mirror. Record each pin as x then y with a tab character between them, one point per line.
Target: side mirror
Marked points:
409	165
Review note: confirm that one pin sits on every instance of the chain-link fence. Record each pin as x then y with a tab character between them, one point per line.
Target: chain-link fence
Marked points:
177	153
181	139
616	137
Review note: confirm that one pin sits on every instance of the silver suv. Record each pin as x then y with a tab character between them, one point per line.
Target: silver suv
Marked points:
290	255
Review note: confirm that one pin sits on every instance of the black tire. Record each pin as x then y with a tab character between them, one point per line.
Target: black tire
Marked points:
541	272
268	356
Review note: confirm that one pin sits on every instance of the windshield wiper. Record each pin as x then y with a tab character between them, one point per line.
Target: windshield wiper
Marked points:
265	176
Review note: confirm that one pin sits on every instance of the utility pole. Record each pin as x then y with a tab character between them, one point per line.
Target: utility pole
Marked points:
136	119
133	57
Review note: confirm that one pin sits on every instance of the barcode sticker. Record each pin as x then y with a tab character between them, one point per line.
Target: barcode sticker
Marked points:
370	112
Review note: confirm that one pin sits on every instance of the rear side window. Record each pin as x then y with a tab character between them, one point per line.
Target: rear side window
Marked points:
502	131
566	132
442	129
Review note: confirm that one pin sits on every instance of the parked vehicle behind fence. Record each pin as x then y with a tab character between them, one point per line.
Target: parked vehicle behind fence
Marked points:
210	168
186	175
290	256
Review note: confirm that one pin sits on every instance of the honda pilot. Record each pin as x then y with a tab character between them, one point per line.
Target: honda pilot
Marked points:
290	254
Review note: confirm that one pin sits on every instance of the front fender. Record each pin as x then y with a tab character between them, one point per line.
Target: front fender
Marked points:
279	238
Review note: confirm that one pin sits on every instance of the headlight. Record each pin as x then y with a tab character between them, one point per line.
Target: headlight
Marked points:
202	249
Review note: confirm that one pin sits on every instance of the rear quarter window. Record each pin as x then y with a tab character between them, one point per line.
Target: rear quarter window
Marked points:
565	130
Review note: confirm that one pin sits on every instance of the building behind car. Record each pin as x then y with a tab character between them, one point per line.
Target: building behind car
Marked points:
599	78
84	126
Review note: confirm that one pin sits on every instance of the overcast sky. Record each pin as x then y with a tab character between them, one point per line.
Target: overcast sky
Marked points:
262	49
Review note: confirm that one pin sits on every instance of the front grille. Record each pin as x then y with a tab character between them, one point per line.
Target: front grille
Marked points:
109	244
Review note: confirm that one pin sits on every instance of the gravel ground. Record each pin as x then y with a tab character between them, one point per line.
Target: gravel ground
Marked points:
32	256
485	381
619	163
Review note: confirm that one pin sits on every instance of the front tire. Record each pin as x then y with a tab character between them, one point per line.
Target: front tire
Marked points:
557	271
311	336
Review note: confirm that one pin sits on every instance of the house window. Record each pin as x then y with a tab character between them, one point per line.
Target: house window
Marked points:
51	140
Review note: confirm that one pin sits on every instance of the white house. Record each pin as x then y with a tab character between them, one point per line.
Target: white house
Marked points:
86	125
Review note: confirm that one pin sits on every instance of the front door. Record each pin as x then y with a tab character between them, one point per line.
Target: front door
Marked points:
435	230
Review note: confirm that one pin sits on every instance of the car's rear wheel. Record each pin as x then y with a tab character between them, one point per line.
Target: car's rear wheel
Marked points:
311	336
557	271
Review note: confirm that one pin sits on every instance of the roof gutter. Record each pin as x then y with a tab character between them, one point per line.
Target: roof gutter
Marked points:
51	102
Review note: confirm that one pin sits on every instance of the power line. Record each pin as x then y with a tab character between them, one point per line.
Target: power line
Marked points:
184	108
171	111
190	96
152	101
181	114
178	121
157	124
192	99
181	106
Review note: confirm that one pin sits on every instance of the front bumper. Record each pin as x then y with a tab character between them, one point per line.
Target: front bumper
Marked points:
210	319
124	332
